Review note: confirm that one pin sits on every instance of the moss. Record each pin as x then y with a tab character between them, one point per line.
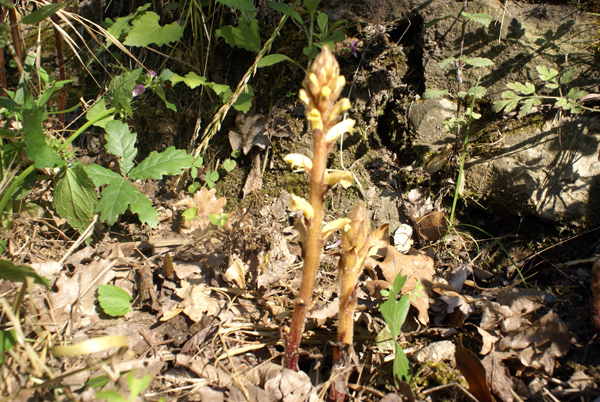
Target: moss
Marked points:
431	374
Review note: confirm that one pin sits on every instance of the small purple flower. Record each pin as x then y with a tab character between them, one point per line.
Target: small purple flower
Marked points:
353	48
138	90
152	74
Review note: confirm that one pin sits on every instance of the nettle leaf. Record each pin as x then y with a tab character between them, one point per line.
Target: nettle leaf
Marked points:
158	164
118	196
446	63
434	93
41	13
483	19
526	89
102	176
479	62
42	154
568	77
245	35
114	300
146	30
97	109
75	197
120	90
121	143
545	74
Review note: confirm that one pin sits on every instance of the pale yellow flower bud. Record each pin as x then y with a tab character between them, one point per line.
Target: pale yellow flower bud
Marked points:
314	117
345	179
340	106
325	92
300	204
336	131
332	226
313	85
298	160
303	96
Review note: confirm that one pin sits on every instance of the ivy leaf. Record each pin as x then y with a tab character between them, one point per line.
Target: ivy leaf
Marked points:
146	30
121	143
102	176
75	197
120	90
434	93
20	273
479	62
114	300
245	35
42	154
169	162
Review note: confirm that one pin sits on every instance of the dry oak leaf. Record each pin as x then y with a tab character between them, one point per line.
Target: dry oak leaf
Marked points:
196	302
418	268
206	203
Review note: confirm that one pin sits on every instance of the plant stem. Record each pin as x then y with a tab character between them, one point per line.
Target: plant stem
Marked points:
313	248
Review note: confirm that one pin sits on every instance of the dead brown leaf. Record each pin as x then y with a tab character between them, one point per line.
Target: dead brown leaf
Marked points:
196	302
250	131
206	203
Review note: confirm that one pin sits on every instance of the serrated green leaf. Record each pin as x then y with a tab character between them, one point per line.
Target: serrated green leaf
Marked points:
562	102
527	105
120	90
158	164
101	175
146	30
42	154
244	101
483	19
245	36
477	92
568	77
20	273
576	93
434	93
575	107
97	109
551	85
526	89
114	201
446	63
41	13
121	143
271	59
191	79
479	62
75	197
114	300
142	206
545	74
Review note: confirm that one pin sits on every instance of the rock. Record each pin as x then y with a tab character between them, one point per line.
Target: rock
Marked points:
426	120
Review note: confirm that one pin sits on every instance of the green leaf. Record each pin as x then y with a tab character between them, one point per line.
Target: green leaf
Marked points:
121	143
551	85
137	385
198	162
97	109
36	148
242	5
118	196
527	105
271	59
190	214
110	396
401	367
41	13
191	79
75	197
483	19
48	92
160	91
434	93
576	93
229	165
477	92
562	103
158	164
120	90
146	30
245	36
568	77
101	175
244	101
192	188
142	206
10	104
20	273
545	74
479	62
526	89
311	5
287	10
446	63
508	105
322	21
114	300
7	342
435	21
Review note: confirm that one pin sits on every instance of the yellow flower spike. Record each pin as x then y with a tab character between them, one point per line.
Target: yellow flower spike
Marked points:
336	131
303	96
340	106
313	84
300	204
345	179
314	117
299	160
332	226
338	86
